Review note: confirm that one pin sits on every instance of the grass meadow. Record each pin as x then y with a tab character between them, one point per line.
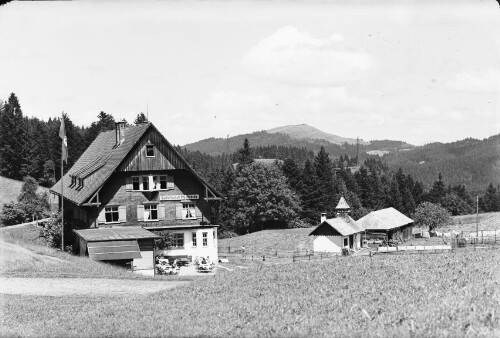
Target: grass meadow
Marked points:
445	295
455	294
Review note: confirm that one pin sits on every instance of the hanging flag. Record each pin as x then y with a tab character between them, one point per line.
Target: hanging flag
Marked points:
62	135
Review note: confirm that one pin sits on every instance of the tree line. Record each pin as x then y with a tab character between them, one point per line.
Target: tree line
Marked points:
292	193
32	147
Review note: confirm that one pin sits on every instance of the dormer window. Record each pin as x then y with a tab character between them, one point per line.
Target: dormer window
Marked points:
150	150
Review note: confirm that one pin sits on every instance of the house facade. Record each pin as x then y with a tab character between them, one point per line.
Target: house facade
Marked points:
133	177
334	234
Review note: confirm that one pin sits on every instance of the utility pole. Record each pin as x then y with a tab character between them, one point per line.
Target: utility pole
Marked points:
477	217
357	151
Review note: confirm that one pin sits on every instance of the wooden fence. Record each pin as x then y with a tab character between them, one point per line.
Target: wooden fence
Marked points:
416	248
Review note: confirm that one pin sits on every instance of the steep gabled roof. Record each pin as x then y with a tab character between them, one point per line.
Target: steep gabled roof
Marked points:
101	159
342	225
342	204
384	219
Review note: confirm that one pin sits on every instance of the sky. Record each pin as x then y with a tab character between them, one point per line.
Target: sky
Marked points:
417	71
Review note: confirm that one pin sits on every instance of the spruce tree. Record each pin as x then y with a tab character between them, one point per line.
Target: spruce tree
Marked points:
245	154
140	118
12	139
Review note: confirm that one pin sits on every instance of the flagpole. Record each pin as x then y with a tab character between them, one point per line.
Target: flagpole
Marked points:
62	191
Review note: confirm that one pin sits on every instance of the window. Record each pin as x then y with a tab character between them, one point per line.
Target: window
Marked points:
194	239
136	184
145	182
346	242
150	183
150	212
178	240
188	211
111	214
163	182
205	239
150	150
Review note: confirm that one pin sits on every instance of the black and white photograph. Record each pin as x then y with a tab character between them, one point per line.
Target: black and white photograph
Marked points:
250	168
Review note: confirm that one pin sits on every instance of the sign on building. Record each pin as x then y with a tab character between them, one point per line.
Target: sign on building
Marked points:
178	197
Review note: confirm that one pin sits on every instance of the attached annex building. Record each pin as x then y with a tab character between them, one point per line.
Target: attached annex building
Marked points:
129	181
335	234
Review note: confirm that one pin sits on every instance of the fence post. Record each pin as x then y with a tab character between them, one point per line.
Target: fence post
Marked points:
263	258
293	257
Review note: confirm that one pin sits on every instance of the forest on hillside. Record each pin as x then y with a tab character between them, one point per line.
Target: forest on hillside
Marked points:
470	162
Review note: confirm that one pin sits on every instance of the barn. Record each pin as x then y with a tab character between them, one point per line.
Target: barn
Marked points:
335	234
388	224
131	182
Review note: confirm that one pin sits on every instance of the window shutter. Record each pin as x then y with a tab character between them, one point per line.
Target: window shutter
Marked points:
140	212
102	216
122	213
128	182
161	212
170	182
178	211
197	211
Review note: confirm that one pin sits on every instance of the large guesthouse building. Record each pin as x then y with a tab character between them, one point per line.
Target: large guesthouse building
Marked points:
129	183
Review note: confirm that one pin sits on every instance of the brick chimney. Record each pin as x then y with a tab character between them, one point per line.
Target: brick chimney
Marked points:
323	217
119	132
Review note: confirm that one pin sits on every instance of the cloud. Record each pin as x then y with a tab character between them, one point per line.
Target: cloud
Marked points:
232	102
476	81
298	58
329	99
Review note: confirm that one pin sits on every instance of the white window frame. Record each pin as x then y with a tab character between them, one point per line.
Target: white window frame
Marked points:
205	238
138	180
148	208
150	181
152	147
175	239
110	210
194	239
165	180
188	211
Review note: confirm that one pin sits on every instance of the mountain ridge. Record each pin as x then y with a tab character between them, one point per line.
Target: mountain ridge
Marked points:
305	131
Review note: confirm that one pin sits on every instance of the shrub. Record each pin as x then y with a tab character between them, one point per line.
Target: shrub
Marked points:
12	213
52	232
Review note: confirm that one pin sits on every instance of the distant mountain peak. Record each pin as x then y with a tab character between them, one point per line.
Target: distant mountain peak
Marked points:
305	131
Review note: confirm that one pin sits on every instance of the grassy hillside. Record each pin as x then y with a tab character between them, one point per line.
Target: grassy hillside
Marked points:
446	295
298	239
10	189
475	163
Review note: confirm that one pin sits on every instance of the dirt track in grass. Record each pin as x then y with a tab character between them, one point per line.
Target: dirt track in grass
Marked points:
82	286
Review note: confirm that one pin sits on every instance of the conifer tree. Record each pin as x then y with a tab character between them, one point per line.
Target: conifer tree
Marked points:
325	181
140	118
438	190
12	139
245	154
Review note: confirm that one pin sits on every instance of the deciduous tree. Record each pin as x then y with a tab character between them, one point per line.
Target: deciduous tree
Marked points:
431	215
261	198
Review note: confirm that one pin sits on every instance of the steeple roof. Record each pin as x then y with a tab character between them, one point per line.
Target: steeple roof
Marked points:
342	204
